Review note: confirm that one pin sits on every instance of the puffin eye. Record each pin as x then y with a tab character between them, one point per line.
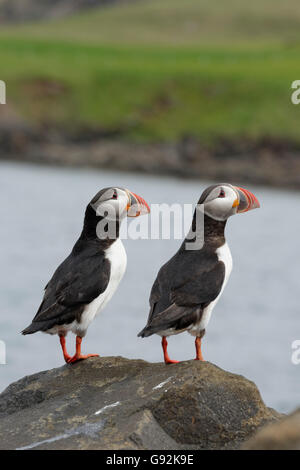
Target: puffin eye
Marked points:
222	193
115	196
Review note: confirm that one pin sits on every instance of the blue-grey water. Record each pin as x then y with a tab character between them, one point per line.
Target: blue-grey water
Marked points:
252	327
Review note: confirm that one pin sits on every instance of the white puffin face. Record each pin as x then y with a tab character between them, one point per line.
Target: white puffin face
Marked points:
224	200
118	203
219	204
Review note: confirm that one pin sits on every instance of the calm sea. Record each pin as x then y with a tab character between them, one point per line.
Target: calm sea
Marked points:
252	328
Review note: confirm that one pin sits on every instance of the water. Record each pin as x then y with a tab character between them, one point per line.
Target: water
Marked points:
252	327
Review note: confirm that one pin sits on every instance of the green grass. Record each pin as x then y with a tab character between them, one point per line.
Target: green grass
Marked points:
161	70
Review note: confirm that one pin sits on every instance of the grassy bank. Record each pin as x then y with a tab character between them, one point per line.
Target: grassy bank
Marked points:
160	70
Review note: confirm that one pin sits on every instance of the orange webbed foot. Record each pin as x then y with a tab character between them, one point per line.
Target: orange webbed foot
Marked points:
81	357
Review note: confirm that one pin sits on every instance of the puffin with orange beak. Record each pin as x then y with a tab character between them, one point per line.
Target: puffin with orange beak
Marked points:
190	284
86	280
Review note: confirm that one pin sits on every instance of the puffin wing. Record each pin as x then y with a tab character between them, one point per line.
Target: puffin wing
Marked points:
186	298
76	283
200	290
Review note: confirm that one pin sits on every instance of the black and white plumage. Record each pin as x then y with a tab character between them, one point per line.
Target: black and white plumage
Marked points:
190	284
86	280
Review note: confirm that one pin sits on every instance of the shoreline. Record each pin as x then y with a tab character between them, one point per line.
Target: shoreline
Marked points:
265	162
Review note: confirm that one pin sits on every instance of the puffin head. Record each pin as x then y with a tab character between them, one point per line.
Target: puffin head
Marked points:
116	203
220	201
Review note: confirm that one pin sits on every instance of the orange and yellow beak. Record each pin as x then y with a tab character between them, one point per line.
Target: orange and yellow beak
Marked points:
245	201
136	205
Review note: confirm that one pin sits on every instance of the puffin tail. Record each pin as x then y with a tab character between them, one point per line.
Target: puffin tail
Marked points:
177	317
145	332
33	328
141	334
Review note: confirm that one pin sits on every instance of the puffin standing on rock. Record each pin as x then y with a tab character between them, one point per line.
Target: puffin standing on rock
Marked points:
190	284
86	280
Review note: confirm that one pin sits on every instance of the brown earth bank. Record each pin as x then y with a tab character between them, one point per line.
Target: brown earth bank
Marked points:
266	161
117	403
19	11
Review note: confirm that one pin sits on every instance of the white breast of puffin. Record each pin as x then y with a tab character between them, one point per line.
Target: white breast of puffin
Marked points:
116	255
224	255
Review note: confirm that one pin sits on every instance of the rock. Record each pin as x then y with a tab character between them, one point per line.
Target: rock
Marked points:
116	403
283	435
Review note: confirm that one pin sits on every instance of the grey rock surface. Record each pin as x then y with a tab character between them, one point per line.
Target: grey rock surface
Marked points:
117	403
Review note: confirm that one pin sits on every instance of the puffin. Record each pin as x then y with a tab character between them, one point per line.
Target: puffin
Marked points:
86	280
189	285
